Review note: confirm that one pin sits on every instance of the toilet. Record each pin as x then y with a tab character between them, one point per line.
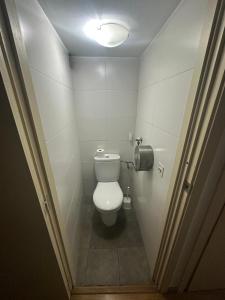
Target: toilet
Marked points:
108	196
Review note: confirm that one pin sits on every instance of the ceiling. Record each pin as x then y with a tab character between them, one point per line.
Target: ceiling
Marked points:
144	18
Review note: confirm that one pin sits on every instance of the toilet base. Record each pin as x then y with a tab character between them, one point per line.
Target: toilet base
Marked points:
109	218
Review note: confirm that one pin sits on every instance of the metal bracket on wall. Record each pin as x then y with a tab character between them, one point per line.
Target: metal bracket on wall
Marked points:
128	163
139	140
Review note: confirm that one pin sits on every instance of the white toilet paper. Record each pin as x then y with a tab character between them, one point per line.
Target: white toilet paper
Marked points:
100	152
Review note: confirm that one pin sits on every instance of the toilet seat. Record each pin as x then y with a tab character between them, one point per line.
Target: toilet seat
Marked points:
108	196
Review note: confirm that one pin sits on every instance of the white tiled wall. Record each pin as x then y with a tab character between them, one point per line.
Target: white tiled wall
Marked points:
105	97
166	70
49	66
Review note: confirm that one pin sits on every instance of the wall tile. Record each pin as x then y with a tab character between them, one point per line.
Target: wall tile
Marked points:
89	178
88	169
92	104
164	147
106	101
146	131
93	129
69	190
170	98
126	178
88	73
145	105
178	41
166	70
121	147
37	31
60	149
88	149
122	72
122	103
119	128
49	66
55	102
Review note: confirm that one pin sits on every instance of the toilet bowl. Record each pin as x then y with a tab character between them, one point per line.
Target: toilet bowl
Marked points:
108	198
108	195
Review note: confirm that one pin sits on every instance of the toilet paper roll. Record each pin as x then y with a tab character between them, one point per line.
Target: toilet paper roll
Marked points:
100	152
143	158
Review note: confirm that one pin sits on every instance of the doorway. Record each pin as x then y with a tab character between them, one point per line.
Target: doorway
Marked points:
128	250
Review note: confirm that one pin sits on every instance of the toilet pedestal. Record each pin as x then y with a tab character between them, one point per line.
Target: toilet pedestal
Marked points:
109	218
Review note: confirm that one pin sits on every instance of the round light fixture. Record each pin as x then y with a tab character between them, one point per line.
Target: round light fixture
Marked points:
107	34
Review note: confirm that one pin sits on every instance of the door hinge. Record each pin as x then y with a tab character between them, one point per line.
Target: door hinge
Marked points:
46	205
187	186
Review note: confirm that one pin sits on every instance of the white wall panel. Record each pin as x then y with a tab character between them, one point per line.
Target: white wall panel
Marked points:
166	70
106	101
50	70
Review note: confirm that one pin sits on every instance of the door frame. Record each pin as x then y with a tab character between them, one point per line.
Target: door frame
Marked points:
18	83
189	158
202	128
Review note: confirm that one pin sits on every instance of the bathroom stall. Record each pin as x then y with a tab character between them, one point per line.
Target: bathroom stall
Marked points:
110	90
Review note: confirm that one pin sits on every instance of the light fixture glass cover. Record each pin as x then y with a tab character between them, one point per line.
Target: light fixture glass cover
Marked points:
111	34
107	34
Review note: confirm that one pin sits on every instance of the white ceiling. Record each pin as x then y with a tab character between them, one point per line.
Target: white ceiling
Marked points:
144	18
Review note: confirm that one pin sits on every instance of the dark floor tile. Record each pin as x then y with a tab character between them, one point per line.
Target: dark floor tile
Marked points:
82	267
86	226
98	257
125	233
133	266
85	236
87	211
103	236
128	214
102	268
88	199
131	236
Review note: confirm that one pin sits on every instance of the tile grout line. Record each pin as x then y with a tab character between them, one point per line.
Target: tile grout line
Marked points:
52	78
164	79
86	269
118	262
115	250
88	252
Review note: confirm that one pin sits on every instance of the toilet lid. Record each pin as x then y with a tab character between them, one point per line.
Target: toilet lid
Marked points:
108	195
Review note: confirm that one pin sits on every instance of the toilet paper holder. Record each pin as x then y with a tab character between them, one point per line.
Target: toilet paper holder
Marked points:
143	158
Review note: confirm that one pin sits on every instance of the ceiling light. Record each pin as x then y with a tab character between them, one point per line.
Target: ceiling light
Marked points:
106	34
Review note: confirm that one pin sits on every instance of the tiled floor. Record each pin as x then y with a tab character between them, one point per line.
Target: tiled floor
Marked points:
111	255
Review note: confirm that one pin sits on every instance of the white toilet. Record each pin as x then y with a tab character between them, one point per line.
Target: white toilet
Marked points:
108	196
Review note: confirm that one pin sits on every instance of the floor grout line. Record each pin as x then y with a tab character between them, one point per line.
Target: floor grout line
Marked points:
118	263
113	250
86	268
